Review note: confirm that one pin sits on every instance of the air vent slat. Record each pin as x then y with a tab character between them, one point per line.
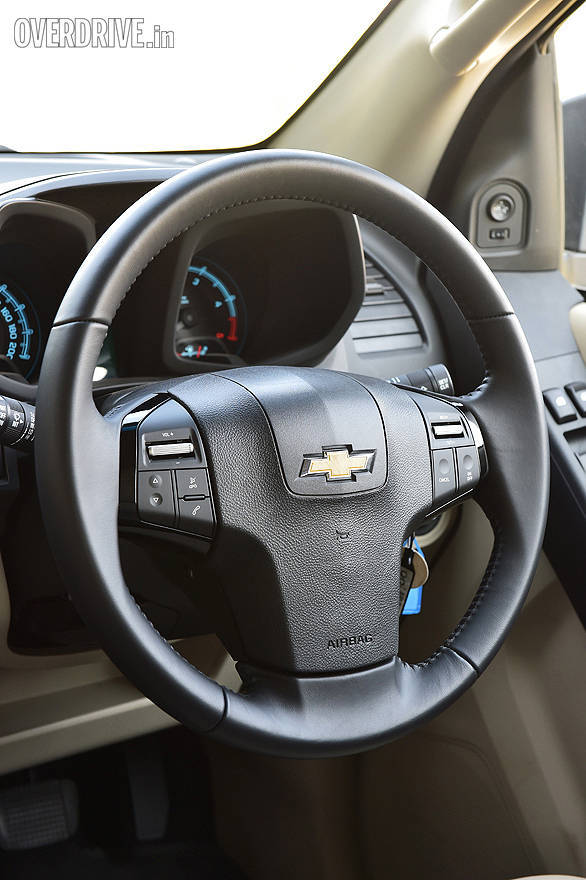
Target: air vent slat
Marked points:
380	311
391	296
385	321
376	285
387	343
393	327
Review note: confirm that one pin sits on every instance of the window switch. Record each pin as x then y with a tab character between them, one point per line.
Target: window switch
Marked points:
577	392
559	405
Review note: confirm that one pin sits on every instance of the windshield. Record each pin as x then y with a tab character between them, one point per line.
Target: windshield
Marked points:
182	76
569	46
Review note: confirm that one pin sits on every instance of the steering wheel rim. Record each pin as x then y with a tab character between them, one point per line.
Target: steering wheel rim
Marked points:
77	460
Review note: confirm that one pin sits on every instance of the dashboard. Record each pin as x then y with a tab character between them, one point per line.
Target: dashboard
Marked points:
289	284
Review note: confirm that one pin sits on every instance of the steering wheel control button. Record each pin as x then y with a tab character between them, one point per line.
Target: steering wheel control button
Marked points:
155	501
446	424
173	449
444	475
577	392
559	405
448	429
168	436
192	483
197	517
500	208
468	467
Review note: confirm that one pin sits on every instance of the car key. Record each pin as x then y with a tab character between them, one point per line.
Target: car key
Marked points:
414	573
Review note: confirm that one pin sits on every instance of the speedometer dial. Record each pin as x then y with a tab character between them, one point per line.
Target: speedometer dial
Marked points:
212	318
20	338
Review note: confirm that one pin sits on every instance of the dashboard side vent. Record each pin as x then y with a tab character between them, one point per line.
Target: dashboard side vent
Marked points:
385	322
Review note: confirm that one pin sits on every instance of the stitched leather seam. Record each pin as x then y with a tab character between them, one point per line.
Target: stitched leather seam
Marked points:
491	317
491	569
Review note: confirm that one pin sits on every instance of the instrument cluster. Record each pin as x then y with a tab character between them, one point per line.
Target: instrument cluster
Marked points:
280	286
211	323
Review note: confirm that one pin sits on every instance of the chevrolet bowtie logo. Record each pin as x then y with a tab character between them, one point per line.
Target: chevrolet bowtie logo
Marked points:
337	463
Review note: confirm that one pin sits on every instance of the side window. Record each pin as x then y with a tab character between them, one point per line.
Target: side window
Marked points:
570	42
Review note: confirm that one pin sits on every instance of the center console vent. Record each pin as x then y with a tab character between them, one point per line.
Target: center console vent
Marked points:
386	321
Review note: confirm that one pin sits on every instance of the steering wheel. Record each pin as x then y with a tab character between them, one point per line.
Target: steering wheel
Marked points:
306	482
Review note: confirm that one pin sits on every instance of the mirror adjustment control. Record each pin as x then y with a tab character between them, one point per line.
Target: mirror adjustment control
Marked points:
197	517
155	498
559	405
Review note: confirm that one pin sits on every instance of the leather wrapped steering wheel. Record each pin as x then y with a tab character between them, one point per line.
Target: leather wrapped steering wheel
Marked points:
312	480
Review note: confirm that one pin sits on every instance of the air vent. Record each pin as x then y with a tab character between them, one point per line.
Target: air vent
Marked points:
385	322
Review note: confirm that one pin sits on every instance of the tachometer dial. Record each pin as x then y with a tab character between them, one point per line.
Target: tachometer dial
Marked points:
20	337
212	319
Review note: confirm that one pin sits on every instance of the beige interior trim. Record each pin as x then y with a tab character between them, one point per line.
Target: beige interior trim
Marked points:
578	325
391	105
49	714
574	268
457	47
53	706
494	787
528	705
